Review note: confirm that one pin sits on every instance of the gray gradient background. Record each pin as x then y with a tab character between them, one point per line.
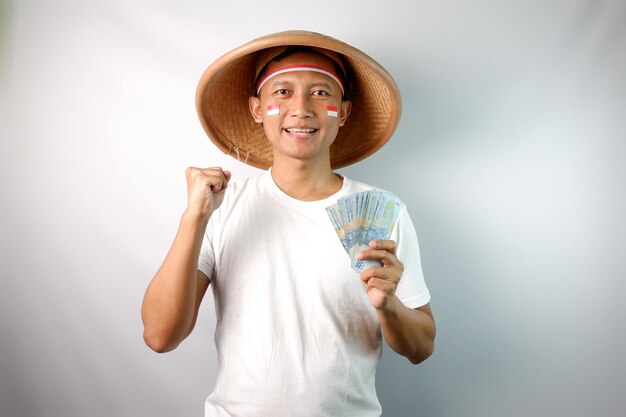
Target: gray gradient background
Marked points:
510	155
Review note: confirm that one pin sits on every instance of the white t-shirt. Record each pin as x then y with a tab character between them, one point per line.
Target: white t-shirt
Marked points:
296	333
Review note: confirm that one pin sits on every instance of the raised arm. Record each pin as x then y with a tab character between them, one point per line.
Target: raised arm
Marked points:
172	299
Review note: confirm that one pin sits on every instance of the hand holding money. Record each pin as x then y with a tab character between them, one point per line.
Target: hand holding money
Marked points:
381	282
205	190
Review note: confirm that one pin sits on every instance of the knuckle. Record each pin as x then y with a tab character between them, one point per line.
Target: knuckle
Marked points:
191	172
214	171
369	273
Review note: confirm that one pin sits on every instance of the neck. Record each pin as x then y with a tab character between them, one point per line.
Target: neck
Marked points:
306	181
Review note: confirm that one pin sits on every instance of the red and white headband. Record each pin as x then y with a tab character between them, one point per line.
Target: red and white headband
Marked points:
300	67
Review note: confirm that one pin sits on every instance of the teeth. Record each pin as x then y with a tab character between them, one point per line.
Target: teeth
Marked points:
301	130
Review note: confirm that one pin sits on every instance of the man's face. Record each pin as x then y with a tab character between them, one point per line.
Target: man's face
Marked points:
296	109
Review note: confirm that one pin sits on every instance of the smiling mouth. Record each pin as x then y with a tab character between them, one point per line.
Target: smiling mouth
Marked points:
301	131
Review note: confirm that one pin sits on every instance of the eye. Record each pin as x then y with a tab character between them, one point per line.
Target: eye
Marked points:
282	91
321	93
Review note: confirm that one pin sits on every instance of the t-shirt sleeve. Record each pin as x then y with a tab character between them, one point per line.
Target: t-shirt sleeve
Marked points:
206	261
411	290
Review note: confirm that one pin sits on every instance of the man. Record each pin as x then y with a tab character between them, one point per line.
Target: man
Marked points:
298	333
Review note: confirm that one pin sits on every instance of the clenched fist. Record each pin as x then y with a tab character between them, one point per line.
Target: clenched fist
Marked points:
205	190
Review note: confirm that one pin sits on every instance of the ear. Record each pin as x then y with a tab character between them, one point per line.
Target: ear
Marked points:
346	106
255	109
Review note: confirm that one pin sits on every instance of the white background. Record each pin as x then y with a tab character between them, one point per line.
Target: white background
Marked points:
510	154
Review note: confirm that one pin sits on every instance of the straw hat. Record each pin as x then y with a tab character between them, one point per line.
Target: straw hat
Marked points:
224	89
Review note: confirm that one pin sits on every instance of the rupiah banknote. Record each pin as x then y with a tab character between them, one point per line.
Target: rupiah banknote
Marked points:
360	217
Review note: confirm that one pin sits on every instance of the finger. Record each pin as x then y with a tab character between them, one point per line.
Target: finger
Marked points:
382	285
384	273
224	178
200	178
216	177
193	173
387	258
371	272
214	171
388	245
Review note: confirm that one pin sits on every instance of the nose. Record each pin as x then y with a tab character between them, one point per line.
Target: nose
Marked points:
301	105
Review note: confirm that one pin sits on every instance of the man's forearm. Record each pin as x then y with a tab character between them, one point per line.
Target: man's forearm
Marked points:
168	310
409	332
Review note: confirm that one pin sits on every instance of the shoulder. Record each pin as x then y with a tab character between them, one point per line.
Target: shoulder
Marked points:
242	186
358	187
237	192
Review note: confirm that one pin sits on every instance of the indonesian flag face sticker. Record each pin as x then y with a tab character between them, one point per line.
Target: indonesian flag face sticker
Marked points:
332	111
273	110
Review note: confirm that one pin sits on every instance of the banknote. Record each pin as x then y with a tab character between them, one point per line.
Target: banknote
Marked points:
360	217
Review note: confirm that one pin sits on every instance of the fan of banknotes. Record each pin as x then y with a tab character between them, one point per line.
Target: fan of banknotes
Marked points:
361	217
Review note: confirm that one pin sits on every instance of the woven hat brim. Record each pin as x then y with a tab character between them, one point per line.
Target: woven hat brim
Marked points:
226	85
